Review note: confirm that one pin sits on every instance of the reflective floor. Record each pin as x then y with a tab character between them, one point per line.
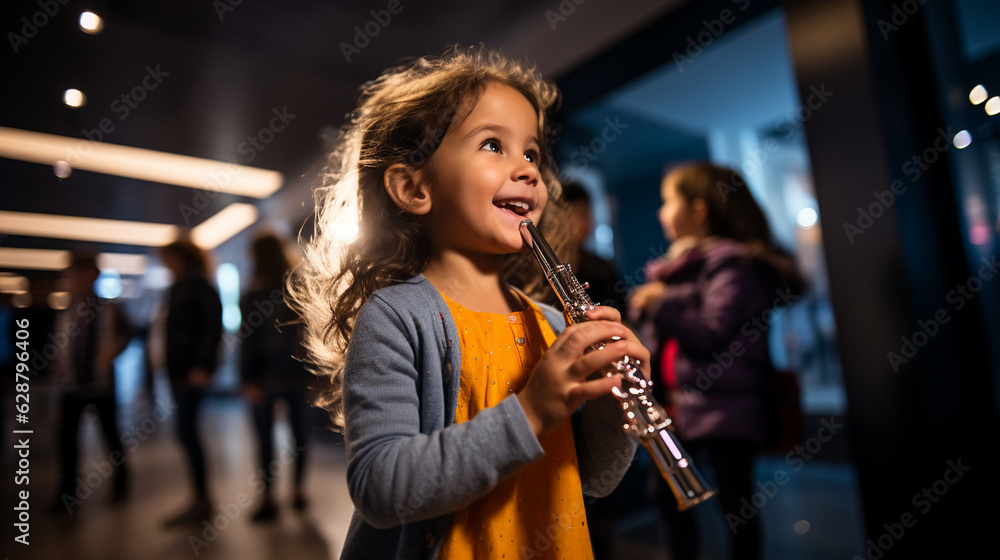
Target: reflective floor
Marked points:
814	514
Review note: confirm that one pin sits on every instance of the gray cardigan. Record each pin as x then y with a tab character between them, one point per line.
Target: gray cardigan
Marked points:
409	465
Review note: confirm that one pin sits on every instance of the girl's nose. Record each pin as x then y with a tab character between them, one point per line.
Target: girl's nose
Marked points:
526	172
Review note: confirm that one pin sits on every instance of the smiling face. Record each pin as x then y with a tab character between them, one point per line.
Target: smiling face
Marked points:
484	178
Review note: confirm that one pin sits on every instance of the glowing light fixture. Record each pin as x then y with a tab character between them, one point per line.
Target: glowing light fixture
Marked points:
91	23
962	139
227	278
86	229
125	264
34	259
807	218
62	169
109	284
208	235
228	222
74	98
10	283
978	95
993	106
59	300
138	163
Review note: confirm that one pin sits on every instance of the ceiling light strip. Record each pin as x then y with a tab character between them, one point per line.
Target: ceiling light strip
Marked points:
223	226
34	259
87	229
139	163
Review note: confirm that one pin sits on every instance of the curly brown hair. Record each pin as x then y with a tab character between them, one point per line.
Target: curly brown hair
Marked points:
362	241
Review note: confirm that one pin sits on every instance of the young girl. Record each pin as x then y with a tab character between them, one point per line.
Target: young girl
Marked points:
456	419
722	272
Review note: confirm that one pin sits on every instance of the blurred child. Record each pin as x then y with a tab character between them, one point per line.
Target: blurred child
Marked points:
722	271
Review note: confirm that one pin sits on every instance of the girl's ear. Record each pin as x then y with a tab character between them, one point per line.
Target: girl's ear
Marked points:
407	189
699	208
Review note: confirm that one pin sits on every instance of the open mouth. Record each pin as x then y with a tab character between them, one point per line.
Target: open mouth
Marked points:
518	207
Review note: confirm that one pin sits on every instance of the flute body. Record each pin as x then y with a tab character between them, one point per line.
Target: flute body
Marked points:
644	418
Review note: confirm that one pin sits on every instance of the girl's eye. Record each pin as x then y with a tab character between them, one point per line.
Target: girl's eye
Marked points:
531	156
492	145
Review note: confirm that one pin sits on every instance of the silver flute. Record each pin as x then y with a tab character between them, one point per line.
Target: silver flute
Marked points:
645	419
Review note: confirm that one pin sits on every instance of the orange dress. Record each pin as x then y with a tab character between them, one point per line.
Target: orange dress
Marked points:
538	512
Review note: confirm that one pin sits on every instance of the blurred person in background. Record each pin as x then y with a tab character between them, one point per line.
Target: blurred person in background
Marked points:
604	289
599	273
722	271
193	331
92	332
271	373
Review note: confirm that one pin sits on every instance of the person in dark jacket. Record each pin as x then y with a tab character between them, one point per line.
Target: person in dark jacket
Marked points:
98	332
193	333
710	301
601	274
269	347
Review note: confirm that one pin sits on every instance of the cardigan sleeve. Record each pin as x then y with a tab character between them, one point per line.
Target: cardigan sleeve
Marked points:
604	449
397	474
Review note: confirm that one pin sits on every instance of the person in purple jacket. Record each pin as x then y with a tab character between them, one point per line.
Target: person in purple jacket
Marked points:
709	301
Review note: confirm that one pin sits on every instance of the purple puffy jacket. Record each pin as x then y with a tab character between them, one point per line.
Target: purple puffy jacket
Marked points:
718	309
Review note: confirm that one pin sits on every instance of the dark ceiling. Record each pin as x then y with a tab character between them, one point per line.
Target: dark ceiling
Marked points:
202	78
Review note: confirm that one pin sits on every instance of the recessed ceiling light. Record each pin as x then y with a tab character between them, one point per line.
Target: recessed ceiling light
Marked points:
74	98
91	23
978	95
993	106
962	139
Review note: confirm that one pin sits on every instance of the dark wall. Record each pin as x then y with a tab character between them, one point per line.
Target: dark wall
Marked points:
917	421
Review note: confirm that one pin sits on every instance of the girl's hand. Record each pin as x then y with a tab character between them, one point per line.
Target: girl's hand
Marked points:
646	297
640	355
558	384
